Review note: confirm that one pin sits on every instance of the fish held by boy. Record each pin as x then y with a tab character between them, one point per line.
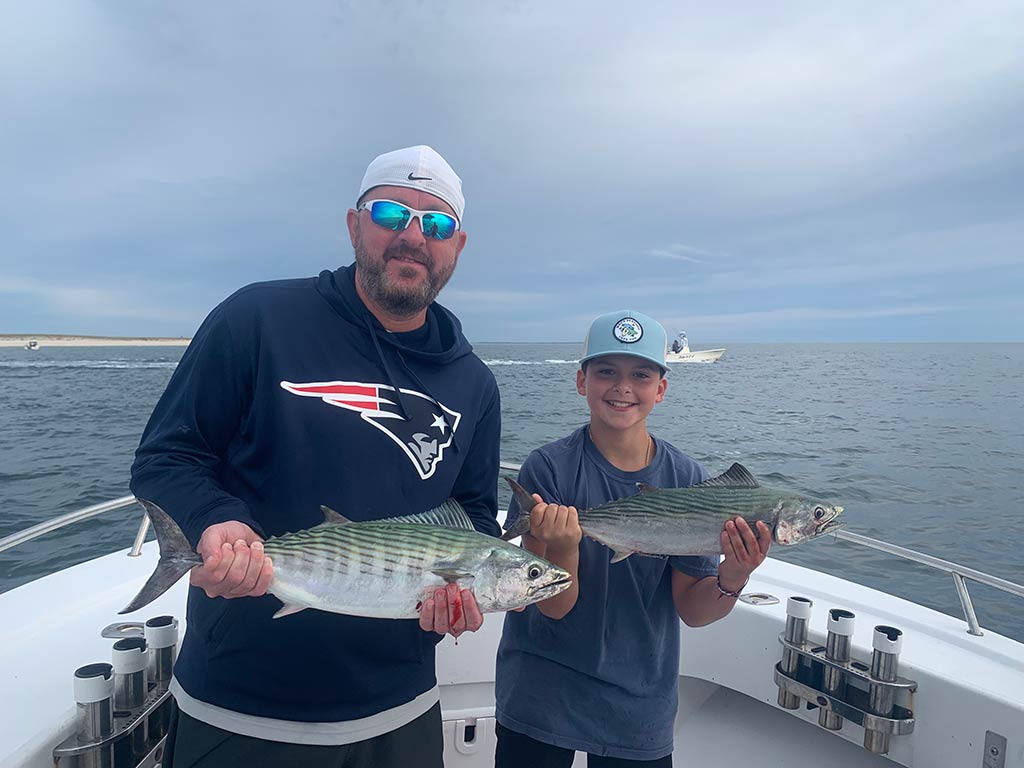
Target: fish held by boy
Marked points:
688	521
379	568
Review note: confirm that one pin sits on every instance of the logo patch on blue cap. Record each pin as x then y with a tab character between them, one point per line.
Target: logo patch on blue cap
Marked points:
628	330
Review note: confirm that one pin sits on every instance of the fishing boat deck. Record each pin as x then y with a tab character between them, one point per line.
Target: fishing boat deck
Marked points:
967	685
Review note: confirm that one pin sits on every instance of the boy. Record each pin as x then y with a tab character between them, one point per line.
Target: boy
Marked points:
596	667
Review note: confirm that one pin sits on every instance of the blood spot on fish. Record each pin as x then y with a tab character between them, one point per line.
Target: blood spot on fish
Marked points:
456	610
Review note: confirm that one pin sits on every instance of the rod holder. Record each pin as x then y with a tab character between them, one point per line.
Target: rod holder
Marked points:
131	687
161	634
798	614
122	714
887	643
837	648
94	718
162	638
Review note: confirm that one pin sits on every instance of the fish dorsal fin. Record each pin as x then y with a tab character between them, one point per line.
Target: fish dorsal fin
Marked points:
450	514
333	518
736	476
647	488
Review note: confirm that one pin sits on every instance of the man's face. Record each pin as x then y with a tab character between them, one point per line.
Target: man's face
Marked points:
402	272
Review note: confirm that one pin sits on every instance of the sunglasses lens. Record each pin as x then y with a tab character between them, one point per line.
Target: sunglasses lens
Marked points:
390	215
439	226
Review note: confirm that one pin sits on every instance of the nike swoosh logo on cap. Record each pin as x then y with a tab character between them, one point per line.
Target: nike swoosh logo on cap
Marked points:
419	178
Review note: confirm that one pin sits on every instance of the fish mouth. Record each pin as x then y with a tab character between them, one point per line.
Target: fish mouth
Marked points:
551	585
830	527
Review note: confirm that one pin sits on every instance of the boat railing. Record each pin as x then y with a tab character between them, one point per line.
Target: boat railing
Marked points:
960	573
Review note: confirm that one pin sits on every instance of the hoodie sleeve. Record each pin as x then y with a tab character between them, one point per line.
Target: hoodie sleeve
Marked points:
180	457
476	487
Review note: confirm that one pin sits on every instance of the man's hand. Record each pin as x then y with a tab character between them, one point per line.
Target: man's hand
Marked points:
450	611
233	562
743	551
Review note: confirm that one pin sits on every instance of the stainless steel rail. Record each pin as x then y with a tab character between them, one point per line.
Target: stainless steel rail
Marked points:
959	572
59	522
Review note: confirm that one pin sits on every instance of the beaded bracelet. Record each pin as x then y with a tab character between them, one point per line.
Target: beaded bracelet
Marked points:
725	591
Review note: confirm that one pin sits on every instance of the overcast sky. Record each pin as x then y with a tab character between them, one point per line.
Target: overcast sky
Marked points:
794	171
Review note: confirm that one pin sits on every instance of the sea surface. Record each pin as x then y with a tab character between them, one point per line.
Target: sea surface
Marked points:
922	443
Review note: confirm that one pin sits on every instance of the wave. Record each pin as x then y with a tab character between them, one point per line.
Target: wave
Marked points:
531	362
96	364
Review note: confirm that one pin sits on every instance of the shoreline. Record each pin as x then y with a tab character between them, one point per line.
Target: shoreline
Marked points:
72	340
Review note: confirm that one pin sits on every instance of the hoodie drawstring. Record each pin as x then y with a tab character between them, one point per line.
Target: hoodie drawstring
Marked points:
387	369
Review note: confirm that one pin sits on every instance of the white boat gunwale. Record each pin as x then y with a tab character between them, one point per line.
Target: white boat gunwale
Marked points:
725	668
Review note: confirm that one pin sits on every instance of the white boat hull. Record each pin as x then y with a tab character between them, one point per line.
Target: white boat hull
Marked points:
698	356
967	685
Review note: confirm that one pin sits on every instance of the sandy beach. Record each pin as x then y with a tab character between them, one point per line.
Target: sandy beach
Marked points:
69	340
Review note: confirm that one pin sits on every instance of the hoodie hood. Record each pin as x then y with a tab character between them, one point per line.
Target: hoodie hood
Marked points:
445	341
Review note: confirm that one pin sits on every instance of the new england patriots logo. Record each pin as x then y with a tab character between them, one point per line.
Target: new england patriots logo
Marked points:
423	438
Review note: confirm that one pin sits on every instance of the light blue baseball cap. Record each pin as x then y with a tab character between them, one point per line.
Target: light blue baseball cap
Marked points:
626	332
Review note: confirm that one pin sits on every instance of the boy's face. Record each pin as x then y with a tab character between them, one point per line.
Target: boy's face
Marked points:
621	389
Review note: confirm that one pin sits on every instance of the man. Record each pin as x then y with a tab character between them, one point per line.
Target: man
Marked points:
353	390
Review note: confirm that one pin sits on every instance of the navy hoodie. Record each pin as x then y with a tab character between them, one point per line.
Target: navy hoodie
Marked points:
292	395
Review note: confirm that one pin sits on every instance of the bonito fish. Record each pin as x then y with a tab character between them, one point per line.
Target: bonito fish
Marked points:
379	568
688	521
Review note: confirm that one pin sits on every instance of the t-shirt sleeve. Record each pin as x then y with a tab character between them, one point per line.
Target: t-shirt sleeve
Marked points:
697	566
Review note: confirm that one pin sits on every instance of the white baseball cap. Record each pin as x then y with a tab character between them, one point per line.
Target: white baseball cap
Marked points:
418	167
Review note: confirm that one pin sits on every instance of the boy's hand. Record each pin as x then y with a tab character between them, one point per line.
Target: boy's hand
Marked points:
743	551
558	527
233	562
450	611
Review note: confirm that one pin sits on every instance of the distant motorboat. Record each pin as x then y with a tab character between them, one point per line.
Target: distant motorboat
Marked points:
680	352
33	345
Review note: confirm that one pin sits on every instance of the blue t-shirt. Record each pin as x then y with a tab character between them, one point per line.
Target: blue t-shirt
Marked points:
604	678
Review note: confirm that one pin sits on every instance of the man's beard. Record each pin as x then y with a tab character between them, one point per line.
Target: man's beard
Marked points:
396	299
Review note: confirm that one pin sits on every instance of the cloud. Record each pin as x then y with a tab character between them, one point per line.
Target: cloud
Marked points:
679	252
762	158
87	302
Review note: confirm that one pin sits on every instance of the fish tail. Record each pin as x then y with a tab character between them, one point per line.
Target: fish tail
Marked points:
177	557
526	503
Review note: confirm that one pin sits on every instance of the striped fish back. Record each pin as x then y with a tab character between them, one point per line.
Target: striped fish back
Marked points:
372	547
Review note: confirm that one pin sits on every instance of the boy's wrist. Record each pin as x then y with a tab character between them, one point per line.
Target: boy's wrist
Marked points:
726	587
562	550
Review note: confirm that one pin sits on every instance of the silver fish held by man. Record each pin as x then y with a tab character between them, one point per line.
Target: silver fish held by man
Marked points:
380	568
688	521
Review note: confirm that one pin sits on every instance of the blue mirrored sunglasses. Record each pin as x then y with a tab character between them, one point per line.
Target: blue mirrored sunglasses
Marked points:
396	217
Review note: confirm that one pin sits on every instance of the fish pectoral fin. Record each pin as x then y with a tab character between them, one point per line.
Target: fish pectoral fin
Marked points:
618	555
288	609
452	576
333	518
647	488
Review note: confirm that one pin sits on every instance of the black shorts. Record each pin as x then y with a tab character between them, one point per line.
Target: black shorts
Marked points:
192	743
516	750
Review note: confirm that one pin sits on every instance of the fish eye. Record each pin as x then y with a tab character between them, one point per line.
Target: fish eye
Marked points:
819	512
534	571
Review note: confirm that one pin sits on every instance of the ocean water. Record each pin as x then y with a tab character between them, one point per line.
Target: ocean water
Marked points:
924	448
